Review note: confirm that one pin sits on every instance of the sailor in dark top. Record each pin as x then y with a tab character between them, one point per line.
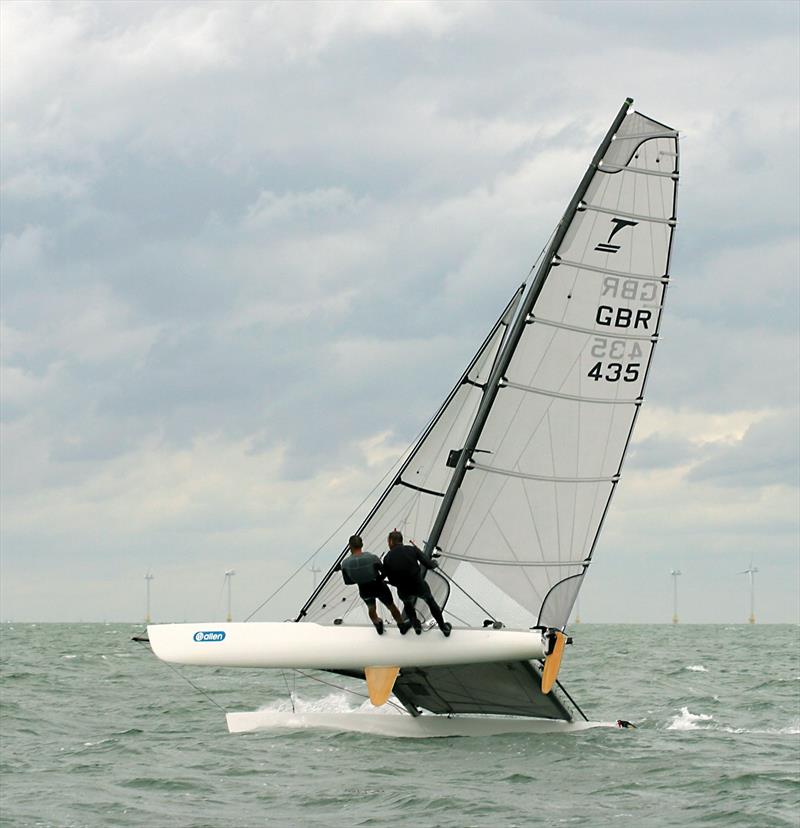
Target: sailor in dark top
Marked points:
402	566
365	569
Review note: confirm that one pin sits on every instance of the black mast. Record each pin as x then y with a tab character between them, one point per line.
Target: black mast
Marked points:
397	478
503	360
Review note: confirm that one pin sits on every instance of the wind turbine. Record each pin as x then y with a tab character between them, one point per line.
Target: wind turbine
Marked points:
751	571
675	573
147	578
229	573
315	570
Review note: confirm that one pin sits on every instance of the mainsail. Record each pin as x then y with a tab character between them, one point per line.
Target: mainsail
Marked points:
544	455
512	480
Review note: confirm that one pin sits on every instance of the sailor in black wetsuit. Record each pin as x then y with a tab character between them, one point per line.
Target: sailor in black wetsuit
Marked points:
402	566
364	569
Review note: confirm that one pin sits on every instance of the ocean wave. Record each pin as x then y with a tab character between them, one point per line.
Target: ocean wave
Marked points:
341	702
686	720
697	668
791	730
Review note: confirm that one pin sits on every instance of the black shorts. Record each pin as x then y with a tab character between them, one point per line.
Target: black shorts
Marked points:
376	590
416	588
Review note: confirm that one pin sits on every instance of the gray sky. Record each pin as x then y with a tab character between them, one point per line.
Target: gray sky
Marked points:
247	248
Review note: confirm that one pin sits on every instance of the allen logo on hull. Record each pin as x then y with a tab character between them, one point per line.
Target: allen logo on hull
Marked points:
210	635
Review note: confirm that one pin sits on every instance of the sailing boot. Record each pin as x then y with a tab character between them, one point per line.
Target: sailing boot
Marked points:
379	627
417	626
404	626
446	629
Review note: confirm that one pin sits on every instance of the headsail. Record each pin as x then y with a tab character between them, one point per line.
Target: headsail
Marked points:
411	501
544	456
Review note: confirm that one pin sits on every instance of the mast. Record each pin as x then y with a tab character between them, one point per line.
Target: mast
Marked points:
510	307
504	358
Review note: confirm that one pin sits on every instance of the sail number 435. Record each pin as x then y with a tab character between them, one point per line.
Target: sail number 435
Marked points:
614	371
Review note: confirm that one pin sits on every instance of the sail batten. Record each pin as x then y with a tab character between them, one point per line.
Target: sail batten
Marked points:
512	562
609	272
575	397
591	331
621	214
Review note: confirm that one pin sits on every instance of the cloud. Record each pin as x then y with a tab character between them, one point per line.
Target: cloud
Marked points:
768	454
236	236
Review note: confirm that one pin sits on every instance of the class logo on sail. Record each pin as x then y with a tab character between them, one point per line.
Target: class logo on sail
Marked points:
209	635
606	246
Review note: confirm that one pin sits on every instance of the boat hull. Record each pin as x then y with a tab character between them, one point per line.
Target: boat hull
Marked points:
305	645
400	725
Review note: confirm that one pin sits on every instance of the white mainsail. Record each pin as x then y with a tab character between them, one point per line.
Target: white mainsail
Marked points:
538	483
541	425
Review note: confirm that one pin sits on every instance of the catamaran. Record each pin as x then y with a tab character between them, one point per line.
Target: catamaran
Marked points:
508	485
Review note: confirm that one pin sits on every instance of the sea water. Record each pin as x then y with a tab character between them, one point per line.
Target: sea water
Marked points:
97	732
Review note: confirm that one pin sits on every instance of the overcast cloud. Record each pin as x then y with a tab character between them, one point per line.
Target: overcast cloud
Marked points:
248	247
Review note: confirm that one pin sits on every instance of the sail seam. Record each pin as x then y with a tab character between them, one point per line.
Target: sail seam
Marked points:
544	477
591	331
597	209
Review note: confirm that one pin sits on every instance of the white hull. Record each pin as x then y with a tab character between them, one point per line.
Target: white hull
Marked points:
400	725
304	645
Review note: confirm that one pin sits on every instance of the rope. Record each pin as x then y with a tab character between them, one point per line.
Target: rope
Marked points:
291	695
335	531
189	681
345	689
474	601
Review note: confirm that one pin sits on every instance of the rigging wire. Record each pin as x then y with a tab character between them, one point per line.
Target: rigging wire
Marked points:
345	689
471	598
189	681
339	528
392	469
291	694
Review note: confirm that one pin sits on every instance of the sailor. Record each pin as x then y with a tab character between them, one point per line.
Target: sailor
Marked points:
364	569
402	566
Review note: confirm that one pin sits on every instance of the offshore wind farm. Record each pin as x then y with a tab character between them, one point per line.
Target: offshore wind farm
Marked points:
577	619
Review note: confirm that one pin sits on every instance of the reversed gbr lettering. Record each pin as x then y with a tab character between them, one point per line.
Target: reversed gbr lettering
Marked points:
606	246
629	289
